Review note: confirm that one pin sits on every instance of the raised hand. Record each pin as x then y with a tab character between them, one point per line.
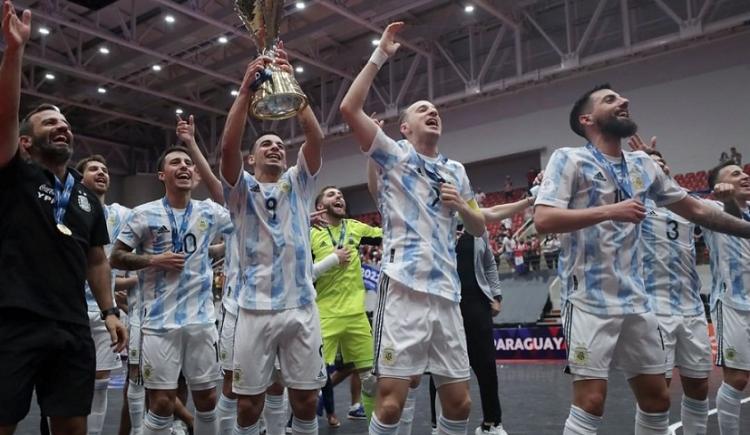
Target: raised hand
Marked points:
16	31
388	39
282	59
637	144
378	122
186	129
253	69
632	211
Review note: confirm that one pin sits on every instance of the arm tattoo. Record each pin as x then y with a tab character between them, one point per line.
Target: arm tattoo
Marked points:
124	260
717	220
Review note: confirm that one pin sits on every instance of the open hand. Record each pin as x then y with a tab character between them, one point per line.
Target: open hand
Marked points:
16	31
388	39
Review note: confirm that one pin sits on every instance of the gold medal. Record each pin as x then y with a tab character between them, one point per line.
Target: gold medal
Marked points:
63	229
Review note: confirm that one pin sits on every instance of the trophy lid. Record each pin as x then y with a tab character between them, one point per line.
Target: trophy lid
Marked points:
263	19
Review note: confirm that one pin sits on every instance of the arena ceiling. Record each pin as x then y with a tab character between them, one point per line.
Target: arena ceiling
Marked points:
121	69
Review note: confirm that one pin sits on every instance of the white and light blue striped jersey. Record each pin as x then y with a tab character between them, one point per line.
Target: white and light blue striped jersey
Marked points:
272	225
172	299
418	230
730	267
600	266
116	216
231	274
668	245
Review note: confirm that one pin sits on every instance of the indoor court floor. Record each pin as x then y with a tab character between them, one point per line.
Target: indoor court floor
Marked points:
535	398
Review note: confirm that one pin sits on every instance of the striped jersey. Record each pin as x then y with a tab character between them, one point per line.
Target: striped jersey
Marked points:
272	225
418	230
231	274
172	299
730	267
668	245
600	266
116	216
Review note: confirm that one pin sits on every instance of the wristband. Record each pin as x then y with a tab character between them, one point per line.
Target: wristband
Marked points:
379	57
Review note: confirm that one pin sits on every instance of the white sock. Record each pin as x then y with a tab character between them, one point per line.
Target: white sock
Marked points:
728	408
580	422
206	423
157	425
302	427
451	427
694	414
250	430
407	414
651	423
136	403
378	428
226	413
274	414
95	420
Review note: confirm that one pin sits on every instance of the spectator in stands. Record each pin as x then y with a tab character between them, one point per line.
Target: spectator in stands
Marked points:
723	157
534	253
480	197
735	156
508	188
518	256
530	177
509	245
551	250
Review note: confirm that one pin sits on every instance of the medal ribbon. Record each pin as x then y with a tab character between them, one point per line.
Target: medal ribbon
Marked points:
62	197
342	236
178	235
623	183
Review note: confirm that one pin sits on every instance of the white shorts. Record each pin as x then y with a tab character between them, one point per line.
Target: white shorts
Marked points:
292	336
134	344
226	339
687	345
415	332
106	357
631	343
732	337
192	350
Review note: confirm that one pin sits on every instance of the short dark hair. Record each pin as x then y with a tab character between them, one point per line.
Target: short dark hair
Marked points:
321	193
713	174
652	152
170	149
580	105
260	135
81	165
25	128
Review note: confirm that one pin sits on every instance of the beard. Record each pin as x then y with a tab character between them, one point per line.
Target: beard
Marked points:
45	149
619	128
335	213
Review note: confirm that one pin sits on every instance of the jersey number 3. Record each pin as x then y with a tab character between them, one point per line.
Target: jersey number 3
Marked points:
672	230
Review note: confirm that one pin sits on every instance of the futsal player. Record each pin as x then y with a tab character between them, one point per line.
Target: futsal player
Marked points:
730	293
95	175
277	317
171	238
594	195
418	325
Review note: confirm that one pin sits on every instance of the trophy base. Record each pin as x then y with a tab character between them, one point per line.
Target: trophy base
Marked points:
276	107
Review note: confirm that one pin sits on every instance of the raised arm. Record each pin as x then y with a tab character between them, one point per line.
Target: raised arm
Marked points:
16	34
548	219
352	106
234	128
713	218
186	134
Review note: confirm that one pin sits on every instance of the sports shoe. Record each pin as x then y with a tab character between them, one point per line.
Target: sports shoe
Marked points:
434	431
493	430
179	428
356	412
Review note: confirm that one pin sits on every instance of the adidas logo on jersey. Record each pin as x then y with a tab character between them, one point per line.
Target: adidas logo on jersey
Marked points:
162	229
600	177
652	212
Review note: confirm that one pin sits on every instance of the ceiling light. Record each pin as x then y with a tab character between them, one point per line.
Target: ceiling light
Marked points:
223	39
300	5
375	41
469	9
101	90
234	92
49	76
103	50
44	31
178	111
300	69
156	67
169	18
